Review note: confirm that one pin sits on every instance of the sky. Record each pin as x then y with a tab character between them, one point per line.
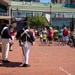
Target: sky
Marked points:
45	1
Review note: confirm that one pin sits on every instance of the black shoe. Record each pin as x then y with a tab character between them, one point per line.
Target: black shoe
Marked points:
25	65
10	50
5	61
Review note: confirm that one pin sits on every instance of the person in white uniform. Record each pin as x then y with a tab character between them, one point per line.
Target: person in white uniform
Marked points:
5	35
30	40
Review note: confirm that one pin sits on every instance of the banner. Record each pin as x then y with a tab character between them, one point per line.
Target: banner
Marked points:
47	17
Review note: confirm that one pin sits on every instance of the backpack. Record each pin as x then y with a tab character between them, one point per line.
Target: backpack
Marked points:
24	35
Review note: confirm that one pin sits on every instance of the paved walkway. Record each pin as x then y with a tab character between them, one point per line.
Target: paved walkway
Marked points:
44	60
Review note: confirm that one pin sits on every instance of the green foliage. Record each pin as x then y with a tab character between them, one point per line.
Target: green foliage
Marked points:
38	22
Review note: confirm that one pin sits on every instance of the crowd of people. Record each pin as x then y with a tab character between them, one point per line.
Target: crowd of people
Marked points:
61	35
27	36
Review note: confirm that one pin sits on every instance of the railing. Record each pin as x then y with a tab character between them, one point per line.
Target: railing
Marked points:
4	14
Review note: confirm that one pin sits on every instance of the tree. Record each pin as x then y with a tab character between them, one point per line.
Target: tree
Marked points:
38	22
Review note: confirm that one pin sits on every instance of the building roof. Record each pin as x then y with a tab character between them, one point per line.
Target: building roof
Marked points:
5	2
5	17
36	6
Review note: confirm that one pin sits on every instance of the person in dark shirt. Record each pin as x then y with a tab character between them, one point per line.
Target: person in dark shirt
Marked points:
30	40
5	35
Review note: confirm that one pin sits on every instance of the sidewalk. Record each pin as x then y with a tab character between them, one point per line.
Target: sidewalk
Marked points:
44	60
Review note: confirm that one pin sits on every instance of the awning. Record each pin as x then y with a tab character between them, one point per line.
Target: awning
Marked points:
5	17
18	19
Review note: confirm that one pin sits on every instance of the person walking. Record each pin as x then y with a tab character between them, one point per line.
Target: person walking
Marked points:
44	35
5	35
0	38
65	36
25	50
12	33
60	33
50	36
73	37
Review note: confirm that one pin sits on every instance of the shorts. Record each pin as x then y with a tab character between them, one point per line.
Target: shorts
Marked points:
13	37
44	40
60	36
40	37
65	38
50	38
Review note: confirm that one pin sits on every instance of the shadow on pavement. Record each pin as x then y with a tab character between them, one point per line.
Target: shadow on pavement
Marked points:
11	64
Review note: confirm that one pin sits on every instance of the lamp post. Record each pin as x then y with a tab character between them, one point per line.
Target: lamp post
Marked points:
11	15
72	24
17	13
50	14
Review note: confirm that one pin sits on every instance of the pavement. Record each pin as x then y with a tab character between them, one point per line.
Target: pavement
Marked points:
44	60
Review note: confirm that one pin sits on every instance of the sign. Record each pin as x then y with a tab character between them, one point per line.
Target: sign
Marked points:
68	15
59	15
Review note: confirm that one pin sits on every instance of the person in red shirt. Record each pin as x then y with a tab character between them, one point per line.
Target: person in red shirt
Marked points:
13	36
50	35
65	36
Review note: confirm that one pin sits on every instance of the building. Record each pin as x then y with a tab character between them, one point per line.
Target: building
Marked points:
27	0
73	2
70	1
23	0
58	1
63	1
36	0
5	12
61	14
